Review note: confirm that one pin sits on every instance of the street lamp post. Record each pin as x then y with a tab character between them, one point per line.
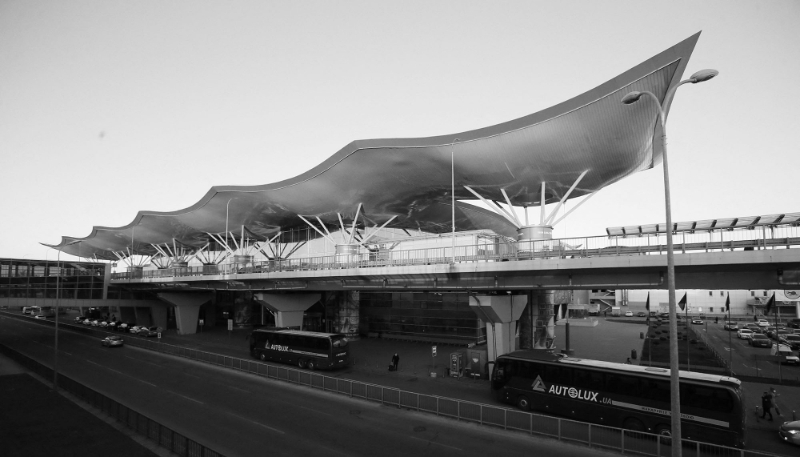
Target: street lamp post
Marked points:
675	402
453	195
58	300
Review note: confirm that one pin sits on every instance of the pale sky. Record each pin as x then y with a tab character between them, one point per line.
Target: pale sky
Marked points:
112	107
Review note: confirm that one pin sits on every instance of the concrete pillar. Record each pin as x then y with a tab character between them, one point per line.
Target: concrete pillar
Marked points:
499	313
288	308
187	308
159	315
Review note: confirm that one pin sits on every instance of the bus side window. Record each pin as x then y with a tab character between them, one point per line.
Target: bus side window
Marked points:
324	344
626	385
583	379
558	375
655	389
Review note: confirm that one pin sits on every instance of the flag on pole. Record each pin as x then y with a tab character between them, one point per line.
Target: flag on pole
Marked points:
682	303
647	303
728	303
770	304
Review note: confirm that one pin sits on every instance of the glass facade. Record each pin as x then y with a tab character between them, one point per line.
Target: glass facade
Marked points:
21	278
423	315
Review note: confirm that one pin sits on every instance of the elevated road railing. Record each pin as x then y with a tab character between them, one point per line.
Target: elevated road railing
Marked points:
503	250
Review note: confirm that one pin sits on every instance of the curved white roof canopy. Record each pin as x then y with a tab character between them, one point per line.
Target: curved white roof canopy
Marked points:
410	177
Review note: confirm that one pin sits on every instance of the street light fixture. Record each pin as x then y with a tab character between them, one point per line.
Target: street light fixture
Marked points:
675	402
58	300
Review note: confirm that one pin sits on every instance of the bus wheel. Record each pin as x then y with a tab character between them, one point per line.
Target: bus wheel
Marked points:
665	433
311	365
523	403
263	356
301	363
633	424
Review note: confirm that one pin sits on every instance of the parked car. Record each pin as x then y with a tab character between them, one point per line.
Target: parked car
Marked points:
759	340
731	326
697	321
754	328
641	314
794	323
778	334
79	319
40	316
763	323
788	356
790	432
112	341
87	321
150	331
136	328
744	333
628	313
123	326
791	340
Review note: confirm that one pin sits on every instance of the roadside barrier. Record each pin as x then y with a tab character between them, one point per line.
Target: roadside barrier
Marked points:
587	434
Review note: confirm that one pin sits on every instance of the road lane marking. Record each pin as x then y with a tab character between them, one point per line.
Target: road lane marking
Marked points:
145	361
257	423
242	390
184	396
438	444
315	411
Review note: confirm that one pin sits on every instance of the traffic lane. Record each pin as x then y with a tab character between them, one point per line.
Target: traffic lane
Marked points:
313	422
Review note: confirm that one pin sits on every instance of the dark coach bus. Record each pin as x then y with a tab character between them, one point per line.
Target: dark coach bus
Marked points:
310	350
622	395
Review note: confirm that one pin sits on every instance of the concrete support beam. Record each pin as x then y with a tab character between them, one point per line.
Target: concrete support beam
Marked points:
500	314
288	308
187	308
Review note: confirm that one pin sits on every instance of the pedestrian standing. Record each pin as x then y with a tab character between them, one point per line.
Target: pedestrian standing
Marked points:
395	361
766	404
774	403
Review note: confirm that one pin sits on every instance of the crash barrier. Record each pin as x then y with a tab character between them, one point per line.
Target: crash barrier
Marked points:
130	418
583	433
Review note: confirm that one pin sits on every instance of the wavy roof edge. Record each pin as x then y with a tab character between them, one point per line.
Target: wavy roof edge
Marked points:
679	52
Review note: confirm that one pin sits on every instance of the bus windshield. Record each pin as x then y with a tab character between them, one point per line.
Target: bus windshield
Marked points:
339	341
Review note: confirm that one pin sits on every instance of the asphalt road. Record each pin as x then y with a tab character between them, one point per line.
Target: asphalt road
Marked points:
241	414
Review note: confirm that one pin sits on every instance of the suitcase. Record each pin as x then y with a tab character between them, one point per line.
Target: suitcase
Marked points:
391	367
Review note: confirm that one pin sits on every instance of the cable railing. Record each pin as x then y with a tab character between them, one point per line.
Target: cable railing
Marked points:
738	239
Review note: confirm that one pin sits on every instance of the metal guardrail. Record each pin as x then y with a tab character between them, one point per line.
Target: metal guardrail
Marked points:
650	244
588	434
132	419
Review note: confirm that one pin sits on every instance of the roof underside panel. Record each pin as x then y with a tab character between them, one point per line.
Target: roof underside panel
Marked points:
410	179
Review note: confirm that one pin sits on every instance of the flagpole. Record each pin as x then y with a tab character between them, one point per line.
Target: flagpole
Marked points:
730	344
688	341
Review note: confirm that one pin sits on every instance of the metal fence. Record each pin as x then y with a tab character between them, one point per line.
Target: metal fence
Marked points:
740	238
130	418
588	434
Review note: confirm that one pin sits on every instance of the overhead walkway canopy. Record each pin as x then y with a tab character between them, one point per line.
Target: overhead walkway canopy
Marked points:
711	225
587	142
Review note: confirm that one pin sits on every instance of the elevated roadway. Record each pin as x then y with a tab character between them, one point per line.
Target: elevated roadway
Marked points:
747	269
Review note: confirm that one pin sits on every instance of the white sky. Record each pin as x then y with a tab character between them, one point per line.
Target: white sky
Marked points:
111	107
